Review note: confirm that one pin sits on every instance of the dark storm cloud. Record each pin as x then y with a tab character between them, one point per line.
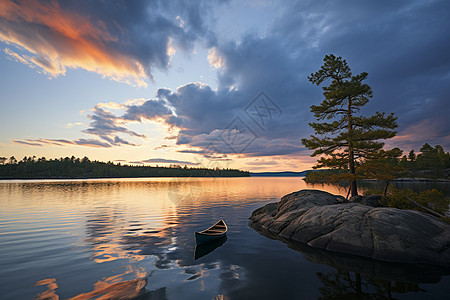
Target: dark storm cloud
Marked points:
199	109
401	44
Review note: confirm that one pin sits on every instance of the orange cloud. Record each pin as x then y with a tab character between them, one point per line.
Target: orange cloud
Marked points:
59	39
215	59
424	131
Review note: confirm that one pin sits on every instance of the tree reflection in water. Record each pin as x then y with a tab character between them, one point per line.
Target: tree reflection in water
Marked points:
356	277
343	284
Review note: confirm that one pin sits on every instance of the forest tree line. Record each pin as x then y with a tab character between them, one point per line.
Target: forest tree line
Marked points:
431	162
71	167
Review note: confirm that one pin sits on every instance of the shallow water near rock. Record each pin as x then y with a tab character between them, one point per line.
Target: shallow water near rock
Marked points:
134	238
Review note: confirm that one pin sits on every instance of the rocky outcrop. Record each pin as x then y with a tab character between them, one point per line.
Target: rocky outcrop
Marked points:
320	219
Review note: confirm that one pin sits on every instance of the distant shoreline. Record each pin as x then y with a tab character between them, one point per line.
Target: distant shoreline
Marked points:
75	168
116	177
279	174
262	174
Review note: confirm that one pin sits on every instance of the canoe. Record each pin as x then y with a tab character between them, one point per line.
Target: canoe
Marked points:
216	231
206	248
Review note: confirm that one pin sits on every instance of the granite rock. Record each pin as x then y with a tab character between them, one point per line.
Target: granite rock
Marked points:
319	219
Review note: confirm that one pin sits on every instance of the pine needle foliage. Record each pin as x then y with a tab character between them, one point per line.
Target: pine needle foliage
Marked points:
342	137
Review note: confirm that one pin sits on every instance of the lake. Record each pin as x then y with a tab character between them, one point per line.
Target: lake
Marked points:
81	239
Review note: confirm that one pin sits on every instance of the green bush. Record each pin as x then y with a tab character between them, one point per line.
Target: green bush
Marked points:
432	199
368	192
326	176
446	220
435	200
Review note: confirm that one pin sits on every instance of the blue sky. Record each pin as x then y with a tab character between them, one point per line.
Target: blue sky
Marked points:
162	82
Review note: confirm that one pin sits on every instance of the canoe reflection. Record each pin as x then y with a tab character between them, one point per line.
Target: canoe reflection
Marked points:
206	248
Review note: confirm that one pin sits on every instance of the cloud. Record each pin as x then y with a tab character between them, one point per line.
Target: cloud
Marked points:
162	147
429	131
215	60
63	142
258	163
203	118
153	110
121	40
17	57
217	142
107	126
169	161
28	143
70	125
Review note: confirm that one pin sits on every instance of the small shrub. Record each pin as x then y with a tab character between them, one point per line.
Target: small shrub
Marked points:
369	192
326	176
446	220
432	199
435	200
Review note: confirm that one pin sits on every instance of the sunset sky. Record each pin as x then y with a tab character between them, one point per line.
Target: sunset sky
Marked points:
211	83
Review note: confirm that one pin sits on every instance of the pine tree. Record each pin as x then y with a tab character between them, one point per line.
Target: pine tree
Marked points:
412	155
384	166
347	138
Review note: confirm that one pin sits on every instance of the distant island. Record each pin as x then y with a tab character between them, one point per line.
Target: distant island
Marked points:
76	168
280	174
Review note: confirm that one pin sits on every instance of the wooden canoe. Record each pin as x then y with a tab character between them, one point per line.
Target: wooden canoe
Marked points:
216	231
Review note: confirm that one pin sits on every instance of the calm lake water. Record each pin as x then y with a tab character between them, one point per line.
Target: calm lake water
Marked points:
82	239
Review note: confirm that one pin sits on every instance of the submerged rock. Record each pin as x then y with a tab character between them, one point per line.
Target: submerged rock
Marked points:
320	220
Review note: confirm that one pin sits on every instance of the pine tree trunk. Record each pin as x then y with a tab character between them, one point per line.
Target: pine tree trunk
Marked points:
351	165
351	159
386	185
